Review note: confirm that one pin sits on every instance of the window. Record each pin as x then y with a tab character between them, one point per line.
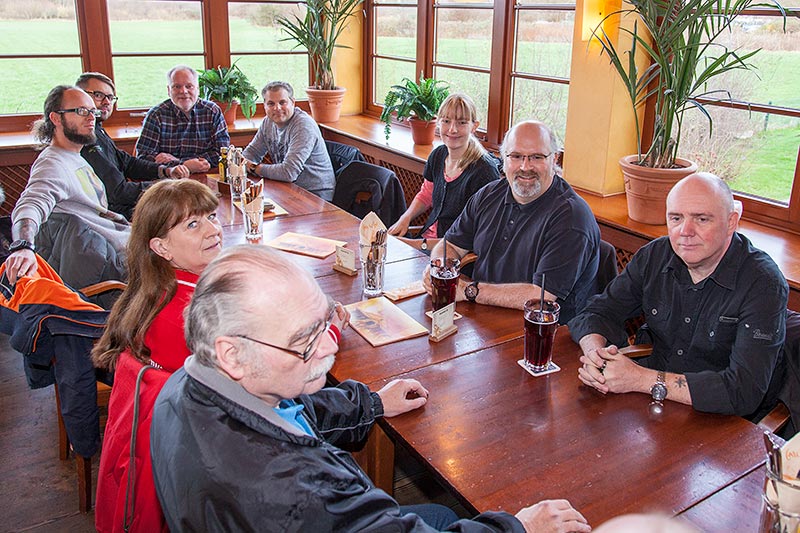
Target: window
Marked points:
393	53
256	45
755	138
39	49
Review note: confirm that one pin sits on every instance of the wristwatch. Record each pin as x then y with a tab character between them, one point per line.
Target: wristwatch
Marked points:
659	389
424	245
21	244
471	291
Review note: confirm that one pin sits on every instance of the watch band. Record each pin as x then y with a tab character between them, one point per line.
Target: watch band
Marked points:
471	291
21	244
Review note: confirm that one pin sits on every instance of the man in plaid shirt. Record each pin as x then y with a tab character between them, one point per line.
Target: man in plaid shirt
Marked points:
184	129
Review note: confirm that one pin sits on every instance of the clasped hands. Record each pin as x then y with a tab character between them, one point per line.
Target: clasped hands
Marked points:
608	370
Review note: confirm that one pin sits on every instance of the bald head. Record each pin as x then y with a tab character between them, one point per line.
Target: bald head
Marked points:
706	183
529	128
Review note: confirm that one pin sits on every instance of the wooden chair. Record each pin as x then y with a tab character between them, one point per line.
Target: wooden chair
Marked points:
84	464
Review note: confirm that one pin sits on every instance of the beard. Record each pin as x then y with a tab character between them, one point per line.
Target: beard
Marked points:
527	190
72	135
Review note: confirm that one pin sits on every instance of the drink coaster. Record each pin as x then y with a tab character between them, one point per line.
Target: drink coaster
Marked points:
551	369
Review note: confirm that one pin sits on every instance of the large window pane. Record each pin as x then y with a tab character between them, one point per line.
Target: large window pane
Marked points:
777	78
755	152
155	26
26	82
253	26
388	73
142	81
540	100
475	84
464	36
261	70
396	31
544	42
28	32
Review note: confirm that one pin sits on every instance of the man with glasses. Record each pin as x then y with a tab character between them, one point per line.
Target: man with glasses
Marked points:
124	176
527	228
245	437
183	129
63	186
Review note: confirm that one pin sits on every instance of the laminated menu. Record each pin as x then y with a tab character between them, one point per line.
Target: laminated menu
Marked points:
381	322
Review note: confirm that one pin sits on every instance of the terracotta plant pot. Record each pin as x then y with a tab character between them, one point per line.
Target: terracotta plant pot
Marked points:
423	132
647	188
228	112
325	104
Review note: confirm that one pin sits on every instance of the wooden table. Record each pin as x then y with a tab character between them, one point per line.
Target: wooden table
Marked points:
502	439
737	507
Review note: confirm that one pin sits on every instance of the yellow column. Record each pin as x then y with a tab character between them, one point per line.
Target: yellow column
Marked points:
348	69
600	123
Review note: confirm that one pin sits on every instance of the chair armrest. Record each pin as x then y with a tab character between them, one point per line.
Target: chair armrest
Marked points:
637	350
775	419
103	286
470	258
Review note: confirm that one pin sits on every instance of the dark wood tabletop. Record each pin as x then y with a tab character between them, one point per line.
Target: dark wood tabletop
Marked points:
737	507
502	439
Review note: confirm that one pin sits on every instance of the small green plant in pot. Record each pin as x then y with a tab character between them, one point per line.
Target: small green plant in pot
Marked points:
229	86
414	100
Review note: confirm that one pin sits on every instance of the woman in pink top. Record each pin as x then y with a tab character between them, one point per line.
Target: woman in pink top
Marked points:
453	173
174	235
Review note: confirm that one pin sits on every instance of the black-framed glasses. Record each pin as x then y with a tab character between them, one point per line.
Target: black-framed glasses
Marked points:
306	354
531	158
99	96
81	112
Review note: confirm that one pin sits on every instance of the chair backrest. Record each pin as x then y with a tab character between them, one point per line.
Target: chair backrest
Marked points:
363	187
607	269
341	155
790	389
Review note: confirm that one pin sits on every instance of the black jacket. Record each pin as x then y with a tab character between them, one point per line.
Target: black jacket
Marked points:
225	461
120	172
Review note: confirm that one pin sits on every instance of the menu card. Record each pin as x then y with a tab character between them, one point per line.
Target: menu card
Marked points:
381	322
306	244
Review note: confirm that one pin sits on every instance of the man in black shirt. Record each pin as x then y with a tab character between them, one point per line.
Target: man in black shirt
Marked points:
714	308
122	174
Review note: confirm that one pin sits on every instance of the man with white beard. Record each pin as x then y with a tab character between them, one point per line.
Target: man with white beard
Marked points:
245	438
530	225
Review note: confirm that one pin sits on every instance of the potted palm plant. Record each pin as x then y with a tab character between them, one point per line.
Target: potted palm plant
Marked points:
228	87
679	41
317	32
417	102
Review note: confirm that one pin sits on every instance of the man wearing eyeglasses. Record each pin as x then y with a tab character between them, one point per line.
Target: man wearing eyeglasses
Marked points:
244	437
527	228
183	129
125	177
62	183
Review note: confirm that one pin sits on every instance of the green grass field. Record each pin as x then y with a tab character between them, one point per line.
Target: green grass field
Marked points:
767	170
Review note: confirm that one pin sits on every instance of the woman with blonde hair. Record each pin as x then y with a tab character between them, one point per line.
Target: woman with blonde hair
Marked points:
174	236
453	173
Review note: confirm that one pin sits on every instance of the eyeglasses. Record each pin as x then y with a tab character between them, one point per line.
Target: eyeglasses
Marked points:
81	112
306	354
100	96
532	158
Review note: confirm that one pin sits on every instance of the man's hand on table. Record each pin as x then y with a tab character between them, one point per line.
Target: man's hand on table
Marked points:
395	396
197	165
607	370
178	172
164	158
20	263
552	516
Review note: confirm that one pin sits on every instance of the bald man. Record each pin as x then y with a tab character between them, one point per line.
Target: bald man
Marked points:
714	308
530	225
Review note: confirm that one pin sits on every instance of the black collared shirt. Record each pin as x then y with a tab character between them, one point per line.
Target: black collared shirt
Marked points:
724	333
556	235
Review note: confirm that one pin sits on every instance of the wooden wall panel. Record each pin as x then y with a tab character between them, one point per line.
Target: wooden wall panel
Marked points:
14	178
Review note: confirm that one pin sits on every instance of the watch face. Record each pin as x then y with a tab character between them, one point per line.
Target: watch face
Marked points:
471	292
659	392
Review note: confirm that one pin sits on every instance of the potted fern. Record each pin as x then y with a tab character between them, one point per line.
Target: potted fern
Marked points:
417	102
228	87
679	41
317	32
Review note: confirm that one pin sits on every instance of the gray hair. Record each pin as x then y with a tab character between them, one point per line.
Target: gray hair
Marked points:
218	306
44	128
84	78
276	86
177	68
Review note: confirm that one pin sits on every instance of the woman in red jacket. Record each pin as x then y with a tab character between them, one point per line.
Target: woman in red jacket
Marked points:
175	234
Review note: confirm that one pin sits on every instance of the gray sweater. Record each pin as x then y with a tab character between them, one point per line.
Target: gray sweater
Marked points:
298	151
63	182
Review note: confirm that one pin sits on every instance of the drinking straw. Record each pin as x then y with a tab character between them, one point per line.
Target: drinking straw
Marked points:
444	261
541	300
